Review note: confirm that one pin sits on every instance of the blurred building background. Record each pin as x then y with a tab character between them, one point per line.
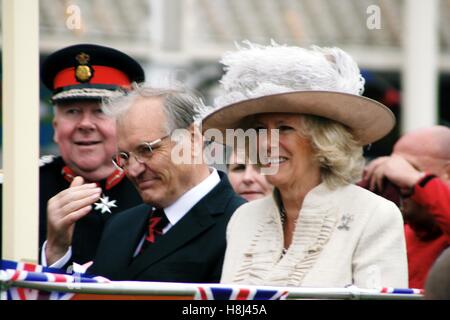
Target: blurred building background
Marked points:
183	39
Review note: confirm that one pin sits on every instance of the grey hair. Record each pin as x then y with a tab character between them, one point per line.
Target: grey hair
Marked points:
335	148
182	106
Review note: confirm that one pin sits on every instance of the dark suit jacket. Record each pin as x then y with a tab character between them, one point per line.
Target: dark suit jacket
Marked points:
191	251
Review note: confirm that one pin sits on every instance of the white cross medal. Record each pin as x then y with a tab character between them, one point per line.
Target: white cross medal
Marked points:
104	205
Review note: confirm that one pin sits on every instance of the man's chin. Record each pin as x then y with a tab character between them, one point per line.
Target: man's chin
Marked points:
154	196
89	169
93	169
152	200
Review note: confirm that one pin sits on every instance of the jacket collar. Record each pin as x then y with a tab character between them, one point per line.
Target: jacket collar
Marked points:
112	180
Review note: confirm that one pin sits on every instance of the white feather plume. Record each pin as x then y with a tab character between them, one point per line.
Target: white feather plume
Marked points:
254	71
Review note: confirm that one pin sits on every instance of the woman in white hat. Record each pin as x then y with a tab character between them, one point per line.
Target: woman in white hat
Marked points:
317	228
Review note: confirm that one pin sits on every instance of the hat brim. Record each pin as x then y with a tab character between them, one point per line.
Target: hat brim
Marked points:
368	119
85	94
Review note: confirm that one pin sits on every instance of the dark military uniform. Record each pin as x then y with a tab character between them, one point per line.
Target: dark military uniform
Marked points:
88	230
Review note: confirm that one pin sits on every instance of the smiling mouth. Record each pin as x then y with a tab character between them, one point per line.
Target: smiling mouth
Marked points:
86	143
274	161
252	192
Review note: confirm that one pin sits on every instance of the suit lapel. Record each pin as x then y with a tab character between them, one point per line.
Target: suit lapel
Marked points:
196	221
117	251
133	234
190	226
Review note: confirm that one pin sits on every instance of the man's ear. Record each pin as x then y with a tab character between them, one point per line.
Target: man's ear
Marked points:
196	135
196	143
446	175
55	126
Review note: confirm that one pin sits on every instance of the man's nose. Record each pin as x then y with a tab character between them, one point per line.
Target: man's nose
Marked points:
134	168
87	122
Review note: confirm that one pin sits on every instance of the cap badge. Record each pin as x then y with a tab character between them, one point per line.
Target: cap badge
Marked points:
83	72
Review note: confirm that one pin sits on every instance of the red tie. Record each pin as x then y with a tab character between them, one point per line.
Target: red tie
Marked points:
156	224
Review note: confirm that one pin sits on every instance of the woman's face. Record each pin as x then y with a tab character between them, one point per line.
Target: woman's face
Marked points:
292	159
246	179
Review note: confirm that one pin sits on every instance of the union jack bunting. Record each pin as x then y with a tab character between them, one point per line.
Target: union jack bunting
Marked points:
17	293
402	290
23	266
224	293
11	272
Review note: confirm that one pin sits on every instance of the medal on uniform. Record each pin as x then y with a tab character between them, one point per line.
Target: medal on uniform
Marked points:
104	204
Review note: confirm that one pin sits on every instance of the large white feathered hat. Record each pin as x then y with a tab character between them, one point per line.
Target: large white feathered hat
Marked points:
319	81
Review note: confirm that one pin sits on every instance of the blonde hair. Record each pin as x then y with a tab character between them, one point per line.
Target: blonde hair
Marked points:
335	148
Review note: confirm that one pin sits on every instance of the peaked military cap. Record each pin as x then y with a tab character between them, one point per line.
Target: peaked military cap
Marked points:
89	71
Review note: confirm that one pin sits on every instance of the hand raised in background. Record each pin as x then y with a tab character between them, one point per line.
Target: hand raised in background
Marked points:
394	168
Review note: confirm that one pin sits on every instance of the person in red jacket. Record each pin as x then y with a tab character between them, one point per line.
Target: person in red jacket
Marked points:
420	168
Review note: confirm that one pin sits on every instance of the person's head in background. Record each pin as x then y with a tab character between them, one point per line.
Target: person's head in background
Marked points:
437	286
80	76
428	150
245	178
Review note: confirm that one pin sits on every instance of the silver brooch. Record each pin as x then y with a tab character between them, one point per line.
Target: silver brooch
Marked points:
345	222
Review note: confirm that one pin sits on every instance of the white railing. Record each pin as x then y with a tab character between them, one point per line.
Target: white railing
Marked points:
190	290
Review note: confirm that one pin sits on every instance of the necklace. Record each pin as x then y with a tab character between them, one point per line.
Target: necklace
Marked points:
282	211
282	214
280	206
283	219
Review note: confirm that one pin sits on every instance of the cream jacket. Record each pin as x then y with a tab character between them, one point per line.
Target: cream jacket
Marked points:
347	236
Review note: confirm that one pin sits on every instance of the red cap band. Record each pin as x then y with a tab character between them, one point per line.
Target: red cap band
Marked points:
102	75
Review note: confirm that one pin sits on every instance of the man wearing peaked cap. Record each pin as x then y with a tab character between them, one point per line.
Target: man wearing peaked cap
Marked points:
81	188
88	71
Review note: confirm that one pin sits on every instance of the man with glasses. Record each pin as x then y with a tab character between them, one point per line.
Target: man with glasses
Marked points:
420	169
178	235
81	189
